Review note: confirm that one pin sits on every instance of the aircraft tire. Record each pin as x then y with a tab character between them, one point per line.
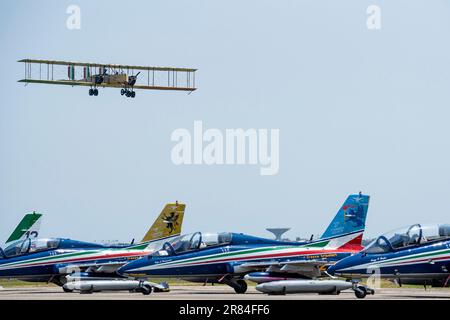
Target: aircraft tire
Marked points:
67	290
133	94
146	289
241	287
91	92
360	292
122	92
95	92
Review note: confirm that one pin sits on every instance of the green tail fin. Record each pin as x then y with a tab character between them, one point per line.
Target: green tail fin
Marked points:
28	227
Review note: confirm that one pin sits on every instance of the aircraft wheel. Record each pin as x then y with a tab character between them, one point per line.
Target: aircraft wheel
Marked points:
146	289
67	290
88	291
122	92
241	286
133	94
91	92
360	292
95	92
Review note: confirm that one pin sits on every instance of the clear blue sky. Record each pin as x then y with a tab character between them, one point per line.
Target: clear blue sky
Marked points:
357	110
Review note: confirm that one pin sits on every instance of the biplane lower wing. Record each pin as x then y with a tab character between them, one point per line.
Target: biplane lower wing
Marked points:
105	85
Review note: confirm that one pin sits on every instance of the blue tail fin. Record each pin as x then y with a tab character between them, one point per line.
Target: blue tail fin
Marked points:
350	218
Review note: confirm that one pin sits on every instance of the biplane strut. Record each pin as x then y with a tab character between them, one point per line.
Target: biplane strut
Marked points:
96	75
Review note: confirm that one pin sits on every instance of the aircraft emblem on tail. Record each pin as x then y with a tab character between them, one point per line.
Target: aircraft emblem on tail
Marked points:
171	220
168	222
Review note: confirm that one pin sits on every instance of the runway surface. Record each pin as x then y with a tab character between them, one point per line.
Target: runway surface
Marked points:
211	293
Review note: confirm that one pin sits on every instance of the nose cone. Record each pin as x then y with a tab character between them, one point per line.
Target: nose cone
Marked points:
122	270
338	269
331	270
128	268
344	266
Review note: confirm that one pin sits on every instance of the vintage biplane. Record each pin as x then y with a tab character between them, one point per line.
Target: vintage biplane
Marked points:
97	75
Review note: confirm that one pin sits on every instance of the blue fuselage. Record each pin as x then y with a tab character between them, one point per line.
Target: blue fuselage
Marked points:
427	261
210	264
50	263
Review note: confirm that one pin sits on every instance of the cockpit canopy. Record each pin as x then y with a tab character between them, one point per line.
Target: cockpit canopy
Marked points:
30	246
194	241
411	236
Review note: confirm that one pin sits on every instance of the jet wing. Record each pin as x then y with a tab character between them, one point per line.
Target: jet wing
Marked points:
308	268
106	267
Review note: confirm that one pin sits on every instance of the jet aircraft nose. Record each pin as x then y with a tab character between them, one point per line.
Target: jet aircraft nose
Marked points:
137	268
122	270
128	268
338	268
341	268
331	270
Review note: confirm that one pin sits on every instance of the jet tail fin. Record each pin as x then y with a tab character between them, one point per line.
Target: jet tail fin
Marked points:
347	228
168	223
28	227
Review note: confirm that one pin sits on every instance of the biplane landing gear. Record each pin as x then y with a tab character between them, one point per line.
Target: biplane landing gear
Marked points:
93	92
128	93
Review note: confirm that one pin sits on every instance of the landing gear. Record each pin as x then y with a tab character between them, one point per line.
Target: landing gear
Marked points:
241	287
93	92
67	290
146	289
361	291
128	93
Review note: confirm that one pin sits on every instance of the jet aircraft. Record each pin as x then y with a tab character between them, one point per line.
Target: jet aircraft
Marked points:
51	260
232	258
418	254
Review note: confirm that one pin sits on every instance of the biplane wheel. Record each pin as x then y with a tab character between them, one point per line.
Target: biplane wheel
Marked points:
91	92
133	94
95	92
122	92
128	93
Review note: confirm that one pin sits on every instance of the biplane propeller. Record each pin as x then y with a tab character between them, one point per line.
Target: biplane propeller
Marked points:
96	75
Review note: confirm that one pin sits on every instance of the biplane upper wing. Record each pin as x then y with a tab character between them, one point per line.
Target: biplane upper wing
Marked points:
96	75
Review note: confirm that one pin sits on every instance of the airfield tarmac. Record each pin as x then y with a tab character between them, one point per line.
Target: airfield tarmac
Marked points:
212	293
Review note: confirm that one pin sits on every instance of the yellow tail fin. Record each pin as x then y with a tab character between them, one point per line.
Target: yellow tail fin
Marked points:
168	222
